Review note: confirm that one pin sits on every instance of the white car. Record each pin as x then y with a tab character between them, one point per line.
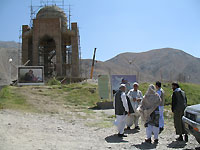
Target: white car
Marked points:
191	120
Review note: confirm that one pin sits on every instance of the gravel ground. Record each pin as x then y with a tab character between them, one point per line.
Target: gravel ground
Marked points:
29	131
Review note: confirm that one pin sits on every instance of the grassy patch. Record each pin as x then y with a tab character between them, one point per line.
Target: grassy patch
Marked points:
53	81
11	99
88	111
81	95
192	92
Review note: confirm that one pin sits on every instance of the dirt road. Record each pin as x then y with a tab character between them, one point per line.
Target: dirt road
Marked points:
75	130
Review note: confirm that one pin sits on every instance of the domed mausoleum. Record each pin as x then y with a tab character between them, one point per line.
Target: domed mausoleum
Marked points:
53	12
50	43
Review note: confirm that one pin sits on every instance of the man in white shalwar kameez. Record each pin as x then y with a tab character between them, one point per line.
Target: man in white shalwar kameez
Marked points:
121	110
161	92
135	97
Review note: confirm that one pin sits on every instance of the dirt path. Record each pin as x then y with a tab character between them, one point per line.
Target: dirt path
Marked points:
28	131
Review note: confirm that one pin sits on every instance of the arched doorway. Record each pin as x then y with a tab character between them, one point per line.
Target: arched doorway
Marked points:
47	55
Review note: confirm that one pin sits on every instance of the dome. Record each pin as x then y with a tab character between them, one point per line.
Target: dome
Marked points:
52	12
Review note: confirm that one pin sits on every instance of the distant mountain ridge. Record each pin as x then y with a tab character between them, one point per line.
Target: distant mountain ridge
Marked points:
9	44
166	64
8	50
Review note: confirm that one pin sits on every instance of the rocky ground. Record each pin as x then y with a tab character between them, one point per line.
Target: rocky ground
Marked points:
90	129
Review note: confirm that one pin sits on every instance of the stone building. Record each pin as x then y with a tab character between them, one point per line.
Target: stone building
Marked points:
51	44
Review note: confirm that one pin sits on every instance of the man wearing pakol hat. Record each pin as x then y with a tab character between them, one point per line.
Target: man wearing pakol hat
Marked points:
135	97
121	109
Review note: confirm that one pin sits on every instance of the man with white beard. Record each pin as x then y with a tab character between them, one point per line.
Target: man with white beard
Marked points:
121	110
135	97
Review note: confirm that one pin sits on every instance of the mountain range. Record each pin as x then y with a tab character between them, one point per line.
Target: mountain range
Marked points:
8	50
166	64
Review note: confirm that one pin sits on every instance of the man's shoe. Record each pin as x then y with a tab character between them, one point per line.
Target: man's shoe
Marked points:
161	129
186	138
180	138
137	128
128	128
156	141
124	135
148	140
121	135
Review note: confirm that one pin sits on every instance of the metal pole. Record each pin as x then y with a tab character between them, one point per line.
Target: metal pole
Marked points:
69	17
10	69
92	69
130	62
10	73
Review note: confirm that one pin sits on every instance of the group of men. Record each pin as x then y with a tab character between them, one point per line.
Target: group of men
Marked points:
126	103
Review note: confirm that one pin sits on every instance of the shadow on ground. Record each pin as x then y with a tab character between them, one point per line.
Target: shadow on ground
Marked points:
197	148
144	145
115	139
97	108
132	131
177	144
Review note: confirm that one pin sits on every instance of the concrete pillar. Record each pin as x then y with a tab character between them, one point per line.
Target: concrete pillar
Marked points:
64	59
35	52
36	39
75	51
58	56
24	44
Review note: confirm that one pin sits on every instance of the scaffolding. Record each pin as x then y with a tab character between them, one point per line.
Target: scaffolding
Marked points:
20	47
80	59
35	6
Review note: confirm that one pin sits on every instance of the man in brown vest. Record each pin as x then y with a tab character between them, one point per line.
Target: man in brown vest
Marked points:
121	110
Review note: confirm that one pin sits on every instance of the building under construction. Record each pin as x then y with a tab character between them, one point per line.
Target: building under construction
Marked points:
52	43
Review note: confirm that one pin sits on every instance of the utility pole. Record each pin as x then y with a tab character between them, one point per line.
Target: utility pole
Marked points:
31	15
70	17
10	70
92	69
19	47
130	71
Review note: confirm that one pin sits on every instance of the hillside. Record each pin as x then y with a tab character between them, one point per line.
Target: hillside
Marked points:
41	98
8	50
165	64
8	44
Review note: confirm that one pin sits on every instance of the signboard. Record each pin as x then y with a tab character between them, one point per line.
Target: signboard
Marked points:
116	80
103	86
31	75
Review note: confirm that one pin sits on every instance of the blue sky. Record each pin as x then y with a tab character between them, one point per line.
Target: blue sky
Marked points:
117	26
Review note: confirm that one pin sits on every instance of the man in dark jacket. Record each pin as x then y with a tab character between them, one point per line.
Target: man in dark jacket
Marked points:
121	109
179	103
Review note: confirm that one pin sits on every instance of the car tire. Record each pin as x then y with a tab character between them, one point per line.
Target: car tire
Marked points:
198	140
